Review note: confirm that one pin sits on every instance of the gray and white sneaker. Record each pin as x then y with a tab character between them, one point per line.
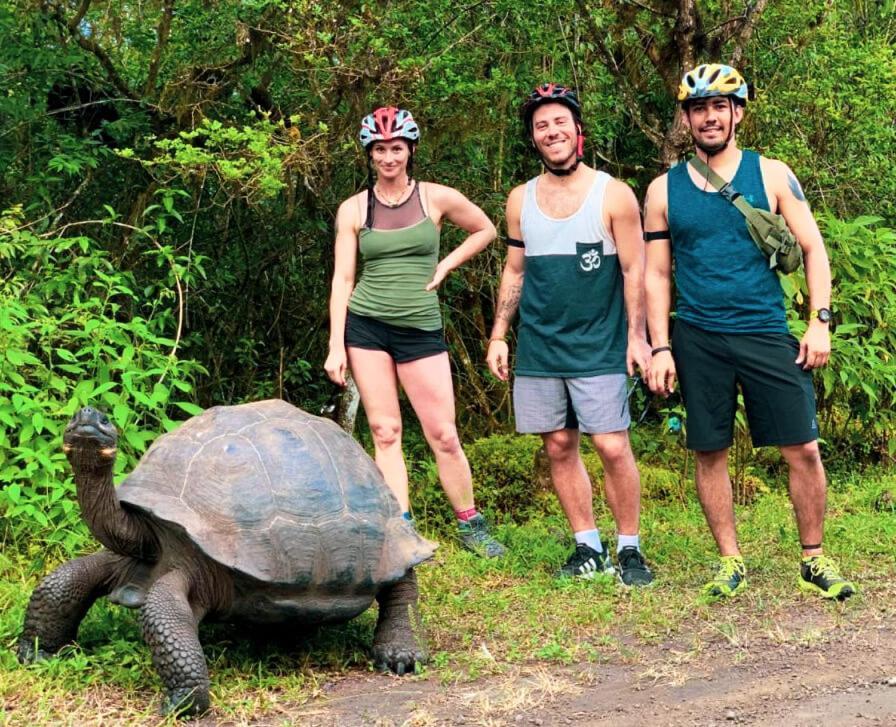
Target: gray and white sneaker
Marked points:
586	562
475	536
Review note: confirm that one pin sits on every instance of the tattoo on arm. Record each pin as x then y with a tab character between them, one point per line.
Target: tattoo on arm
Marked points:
795	187
509	303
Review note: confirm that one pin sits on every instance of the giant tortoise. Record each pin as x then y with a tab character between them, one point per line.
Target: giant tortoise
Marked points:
251	513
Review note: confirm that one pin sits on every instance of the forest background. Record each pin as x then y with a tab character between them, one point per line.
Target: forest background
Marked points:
169	175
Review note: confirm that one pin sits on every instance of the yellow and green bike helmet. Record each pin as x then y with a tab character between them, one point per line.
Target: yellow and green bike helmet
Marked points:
713	79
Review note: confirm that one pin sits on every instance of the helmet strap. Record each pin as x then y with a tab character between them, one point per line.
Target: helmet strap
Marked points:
563	172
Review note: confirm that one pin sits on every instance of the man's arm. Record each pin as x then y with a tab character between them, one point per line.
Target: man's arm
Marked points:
509	291
625	226
658	278
815	346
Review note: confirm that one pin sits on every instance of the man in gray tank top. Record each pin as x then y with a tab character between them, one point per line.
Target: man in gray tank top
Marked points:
575	270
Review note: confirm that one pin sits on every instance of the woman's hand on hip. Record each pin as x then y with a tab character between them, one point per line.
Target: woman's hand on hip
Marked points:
440	274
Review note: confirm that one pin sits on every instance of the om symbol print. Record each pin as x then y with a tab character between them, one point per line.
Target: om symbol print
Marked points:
590	260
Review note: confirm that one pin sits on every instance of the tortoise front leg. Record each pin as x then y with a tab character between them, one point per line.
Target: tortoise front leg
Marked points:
61	600
171	630
398	642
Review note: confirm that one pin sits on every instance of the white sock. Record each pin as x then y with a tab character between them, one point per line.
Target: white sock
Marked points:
591	538
626	540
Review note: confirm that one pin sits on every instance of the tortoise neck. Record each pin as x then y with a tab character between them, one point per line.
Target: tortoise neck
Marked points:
118	529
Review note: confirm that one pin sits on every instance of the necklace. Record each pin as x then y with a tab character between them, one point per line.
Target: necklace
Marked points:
391	201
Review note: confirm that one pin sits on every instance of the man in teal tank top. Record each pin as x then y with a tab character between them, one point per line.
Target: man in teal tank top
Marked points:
575	269
730	329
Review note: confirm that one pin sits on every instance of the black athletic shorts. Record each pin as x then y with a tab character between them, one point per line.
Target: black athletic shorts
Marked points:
401	343
778	393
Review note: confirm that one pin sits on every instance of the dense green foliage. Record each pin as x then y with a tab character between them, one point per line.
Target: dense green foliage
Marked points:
170	170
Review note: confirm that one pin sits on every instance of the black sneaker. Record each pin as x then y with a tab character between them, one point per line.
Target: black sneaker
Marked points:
633	570
586	562
819	574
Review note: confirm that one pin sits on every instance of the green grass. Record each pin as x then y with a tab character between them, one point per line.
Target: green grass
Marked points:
483	618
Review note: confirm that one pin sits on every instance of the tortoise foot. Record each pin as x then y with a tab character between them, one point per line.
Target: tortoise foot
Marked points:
397	657
186	702
28	654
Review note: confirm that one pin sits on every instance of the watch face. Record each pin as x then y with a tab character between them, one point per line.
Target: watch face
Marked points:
824	315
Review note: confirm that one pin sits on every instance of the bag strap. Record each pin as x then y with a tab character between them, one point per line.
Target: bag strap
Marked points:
724	188
736	198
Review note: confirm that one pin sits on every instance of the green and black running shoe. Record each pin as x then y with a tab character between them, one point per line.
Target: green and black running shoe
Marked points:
474	535
633	570
819	574
586	562
730	578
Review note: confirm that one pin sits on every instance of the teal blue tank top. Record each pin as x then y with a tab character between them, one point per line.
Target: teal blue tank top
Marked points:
722	280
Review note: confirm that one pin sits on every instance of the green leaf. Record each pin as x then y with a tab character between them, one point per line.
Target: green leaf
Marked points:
190	408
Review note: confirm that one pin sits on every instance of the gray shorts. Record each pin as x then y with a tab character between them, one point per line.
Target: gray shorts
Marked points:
595	405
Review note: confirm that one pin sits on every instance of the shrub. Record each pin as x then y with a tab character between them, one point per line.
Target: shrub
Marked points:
75	330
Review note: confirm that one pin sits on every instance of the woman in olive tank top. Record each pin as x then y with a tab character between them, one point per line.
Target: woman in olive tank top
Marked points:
387	326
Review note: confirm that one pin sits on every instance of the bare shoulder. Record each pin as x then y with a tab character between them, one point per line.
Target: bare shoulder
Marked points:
515	199
620	192
773	169
657	193
659	185
349	216
516	194
780	179
439	192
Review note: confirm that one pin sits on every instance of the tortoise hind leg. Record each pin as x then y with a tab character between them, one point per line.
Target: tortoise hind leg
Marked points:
62	599
171	630
398	642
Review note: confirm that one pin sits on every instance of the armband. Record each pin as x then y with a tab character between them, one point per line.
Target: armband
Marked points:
657	235
512	242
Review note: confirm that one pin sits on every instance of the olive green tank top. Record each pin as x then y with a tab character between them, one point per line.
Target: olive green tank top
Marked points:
397	265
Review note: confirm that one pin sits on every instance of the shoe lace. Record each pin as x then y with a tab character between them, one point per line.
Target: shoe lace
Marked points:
822	565
728	568
582	554
631	557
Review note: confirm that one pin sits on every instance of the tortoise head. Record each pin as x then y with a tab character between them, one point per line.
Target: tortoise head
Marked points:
91	434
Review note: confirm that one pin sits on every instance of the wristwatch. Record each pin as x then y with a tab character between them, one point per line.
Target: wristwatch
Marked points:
822	314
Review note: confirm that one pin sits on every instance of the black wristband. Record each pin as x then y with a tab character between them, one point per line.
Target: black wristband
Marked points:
660	349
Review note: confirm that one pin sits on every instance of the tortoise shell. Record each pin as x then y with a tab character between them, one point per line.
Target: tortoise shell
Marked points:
279	495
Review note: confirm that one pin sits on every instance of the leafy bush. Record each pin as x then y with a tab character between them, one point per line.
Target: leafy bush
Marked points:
856	389
75	330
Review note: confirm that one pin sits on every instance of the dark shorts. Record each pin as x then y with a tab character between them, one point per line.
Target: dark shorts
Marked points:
401	343
778	394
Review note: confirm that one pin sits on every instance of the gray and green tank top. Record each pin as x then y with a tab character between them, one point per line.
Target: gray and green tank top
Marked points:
572	312
399	257
722	280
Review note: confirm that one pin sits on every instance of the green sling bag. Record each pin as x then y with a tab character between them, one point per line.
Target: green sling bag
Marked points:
768	230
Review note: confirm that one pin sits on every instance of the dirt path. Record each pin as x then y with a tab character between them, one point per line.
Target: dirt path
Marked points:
834	679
